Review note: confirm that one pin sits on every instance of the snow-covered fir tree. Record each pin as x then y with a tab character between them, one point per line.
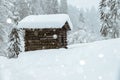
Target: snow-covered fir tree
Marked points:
110	11
6	11
14	48
14	39
12	18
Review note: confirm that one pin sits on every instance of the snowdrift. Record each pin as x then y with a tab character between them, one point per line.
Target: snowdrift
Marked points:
90	61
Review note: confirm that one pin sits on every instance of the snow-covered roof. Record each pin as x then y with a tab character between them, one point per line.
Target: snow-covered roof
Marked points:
45	21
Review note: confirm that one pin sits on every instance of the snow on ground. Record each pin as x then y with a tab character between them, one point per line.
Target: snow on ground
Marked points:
89	61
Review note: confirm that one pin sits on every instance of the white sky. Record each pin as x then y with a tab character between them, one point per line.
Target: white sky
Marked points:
84	3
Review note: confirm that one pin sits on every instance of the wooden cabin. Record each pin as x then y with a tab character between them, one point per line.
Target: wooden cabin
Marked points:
45	31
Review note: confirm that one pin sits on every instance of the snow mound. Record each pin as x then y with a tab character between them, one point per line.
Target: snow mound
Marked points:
89	61
45	21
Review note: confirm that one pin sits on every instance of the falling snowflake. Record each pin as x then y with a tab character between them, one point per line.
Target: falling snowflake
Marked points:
55	36
115	51
82	62
62	66
85	77
9	20
101	55
100	77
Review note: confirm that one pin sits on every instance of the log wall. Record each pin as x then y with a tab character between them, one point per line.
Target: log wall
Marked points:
38	39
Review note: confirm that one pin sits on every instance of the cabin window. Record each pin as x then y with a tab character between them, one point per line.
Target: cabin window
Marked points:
55	36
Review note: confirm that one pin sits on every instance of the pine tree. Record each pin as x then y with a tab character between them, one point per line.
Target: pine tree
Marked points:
104	18
109	10
14	39
6	11
14	48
